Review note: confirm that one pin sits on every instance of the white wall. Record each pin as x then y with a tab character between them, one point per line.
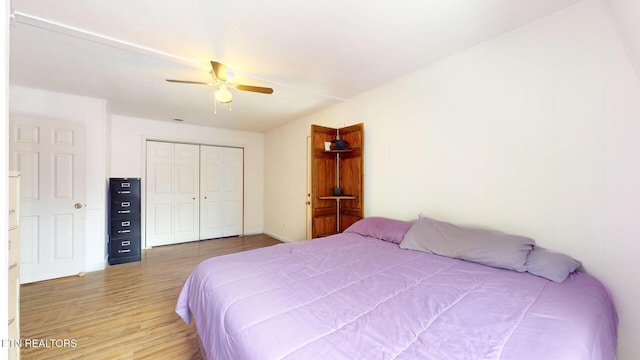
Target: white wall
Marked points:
115	148
128	136
626	14
534	132
92	113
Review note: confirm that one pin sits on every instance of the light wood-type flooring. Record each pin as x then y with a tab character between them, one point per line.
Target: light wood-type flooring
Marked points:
125	311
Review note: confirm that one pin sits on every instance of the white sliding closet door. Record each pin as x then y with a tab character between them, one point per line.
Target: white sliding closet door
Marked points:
187	192
232	192
172	191
211	194
221	191
193	192
159	193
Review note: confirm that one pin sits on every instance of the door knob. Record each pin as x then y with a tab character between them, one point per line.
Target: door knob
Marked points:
78	206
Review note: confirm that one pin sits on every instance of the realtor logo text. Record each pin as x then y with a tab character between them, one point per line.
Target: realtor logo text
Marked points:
39	343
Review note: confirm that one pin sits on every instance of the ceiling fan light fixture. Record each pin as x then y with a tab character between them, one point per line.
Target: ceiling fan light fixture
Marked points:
223	94
224	80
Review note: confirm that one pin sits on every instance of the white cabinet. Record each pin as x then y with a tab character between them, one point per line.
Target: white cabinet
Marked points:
193	192
14	263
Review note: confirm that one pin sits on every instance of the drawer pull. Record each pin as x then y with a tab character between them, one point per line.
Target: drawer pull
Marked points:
125	185
125	223
126	243
124	251
124	211
12	320
125	204
124	192
123	231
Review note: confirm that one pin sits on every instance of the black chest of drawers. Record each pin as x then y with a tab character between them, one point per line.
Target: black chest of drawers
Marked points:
124	220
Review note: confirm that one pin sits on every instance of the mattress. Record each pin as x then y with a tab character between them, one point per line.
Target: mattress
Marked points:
350	296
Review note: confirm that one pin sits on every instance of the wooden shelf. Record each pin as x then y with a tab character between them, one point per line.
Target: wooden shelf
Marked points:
338	151
341	197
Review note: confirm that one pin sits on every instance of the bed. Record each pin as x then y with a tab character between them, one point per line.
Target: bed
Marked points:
360	295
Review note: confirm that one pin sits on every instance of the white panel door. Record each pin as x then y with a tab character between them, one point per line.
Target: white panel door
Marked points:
193	192
172	192
232	191
221	197
48	153
186	192
159	194
210	192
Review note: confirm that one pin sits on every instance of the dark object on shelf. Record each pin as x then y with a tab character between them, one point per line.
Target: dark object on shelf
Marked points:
337	191
124	220
339	145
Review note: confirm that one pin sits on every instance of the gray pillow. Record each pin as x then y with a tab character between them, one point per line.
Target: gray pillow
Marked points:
551	265
382	228
486	247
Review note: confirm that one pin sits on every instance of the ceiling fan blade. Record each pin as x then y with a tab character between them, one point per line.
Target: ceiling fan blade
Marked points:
191	82
219	70
258	89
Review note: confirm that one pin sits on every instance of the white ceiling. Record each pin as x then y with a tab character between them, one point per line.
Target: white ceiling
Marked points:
313	53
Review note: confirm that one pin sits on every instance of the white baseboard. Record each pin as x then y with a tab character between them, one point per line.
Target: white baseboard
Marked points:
95	267
277	237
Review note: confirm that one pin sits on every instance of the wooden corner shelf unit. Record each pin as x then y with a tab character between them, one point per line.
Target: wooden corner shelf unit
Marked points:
342	168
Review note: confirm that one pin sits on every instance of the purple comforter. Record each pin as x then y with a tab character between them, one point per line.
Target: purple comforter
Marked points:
353	297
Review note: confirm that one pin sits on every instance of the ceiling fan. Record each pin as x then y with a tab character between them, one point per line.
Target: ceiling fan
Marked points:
224	81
